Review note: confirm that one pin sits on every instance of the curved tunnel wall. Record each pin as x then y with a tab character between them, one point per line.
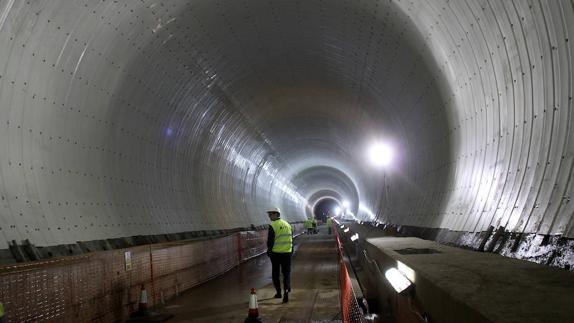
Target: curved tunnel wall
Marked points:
105	135
121	119
509	69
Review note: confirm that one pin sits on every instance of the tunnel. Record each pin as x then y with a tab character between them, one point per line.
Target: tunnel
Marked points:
326	207
123	119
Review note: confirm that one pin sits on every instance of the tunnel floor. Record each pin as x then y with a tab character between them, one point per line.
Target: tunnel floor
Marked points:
314	296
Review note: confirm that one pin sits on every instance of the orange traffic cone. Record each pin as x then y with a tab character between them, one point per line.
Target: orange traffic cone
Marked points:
253	314
142	306
143	314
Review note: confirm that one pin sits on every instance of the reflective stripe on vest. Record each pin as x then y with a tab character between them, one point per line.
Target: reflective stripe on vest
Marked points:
283	236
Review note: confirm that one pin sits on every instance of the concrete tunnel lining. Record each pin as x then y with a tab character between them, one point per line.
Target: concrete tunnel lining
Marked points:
123	119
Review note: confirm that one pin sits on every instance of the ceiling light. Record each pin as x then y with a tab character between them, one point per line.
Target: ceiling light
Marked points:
381	154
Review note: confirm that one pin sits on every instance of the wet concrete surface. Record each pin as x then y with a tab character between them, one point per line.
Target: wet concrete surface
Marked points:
314	293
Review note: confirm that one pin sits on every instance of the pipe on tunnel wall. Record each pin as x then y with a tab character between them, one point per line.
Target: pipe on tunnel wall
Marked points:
150	117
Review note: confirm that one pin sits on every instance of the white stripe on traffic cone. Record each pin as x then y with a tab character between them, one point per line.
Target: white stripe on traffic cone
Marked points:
253	314
142	306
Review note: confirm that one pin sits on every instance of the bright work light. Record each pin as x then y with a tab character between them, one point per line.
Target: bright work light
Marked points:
337	210
381	154
354	237
407	271
397	280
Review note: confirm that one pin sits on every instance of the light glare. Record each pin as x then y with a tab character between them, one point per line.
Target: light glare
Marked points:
397	280
381	154
406	270
337	210
354	237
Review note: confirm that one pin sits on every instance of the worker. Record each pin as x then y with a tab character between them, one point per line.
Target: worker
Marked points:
279	250
308	225
1	312
314	225
329	224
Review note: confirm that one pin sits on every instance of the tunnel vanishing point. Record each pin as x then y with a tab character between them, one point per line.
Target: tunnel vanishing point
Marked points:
127	120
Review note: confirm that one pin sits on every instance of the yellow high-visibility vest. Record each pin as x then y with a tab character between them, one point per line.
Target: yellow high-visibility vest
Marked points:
308	224
1	310
329	221
283	236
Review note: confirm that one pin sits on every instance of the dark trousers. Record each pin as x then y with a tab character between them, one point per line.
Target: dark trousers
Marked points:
281	261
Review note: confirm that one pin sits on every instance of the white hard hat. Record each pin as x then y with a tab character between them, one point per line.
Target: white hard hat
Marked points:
274	210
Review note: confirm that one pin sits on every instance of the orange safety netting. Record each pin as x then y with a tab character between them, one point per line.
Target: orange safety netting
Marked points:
350	310
99	287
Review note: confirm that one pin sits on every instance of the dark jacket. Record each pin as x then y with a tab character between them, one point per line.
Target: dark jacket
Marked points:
270	239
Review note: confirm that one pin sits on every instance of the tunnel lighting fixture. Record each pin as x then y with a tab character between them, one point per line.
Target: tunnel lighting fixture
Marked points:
399	282
346	204
342	226
381	154
355	237
346	230
407	271
337	210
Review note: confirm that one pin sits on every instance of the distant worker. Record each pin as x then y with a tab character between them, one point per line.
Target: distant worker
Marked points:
329	224
314	225
279	250
308	225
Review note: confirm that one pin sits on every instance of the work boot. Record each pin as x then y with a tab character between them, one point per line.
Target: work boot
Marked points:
285	297
278	295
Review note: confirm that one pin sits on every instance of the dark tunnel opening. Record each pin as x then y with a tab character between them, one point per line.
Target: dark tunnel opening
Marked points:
326	207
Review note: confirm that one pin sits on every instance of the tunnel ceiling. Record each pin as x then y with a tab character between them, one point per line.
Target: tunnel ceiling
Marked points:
145	117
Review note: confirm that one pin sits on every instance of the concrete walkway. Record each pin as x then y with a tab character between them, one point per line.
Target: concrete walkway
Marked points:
314	296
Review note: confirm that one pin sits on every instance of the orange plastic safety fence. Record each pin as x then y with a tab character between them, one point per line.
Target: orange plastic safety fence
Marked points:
350	309
99	286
